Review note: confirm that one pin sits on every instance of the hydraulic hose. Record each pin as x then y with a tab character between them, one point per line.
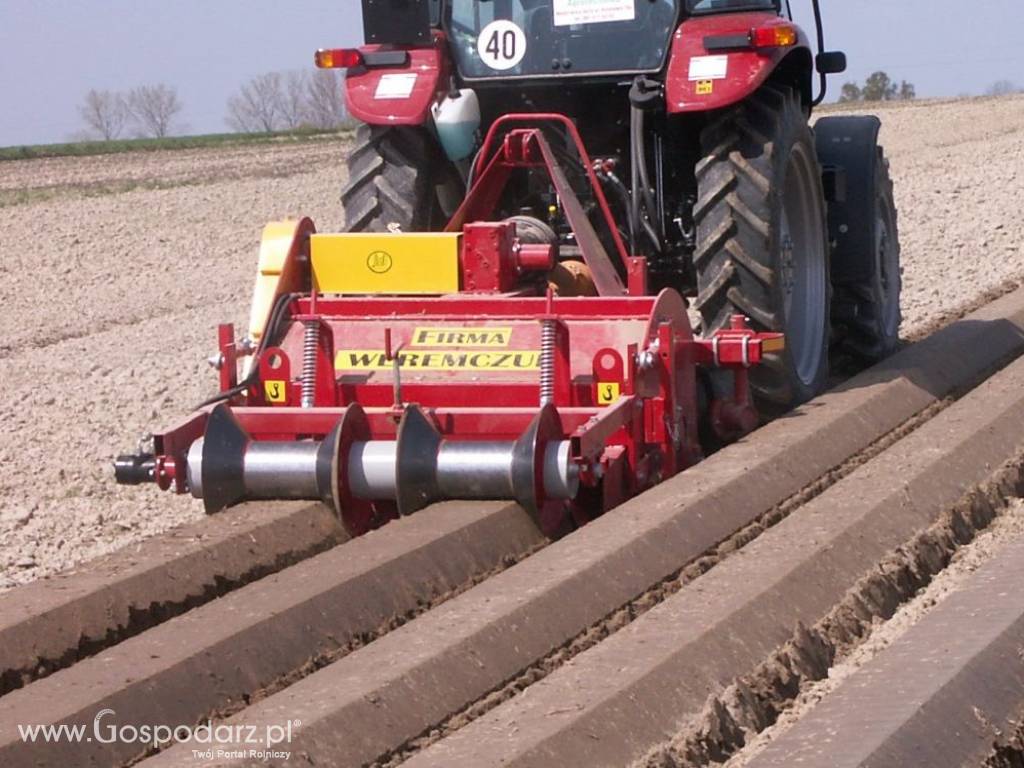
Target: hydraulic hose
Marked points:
640	180
273	325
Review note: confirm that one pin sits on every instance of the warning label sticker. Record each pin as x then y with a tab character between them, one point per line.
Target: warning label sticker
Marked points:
461	337
275	391
438	360
608	392
569	12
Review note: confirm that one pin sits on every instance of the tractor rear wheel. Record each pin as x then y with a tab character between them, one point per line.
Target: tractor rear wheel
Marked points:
398	181
869	309
762	239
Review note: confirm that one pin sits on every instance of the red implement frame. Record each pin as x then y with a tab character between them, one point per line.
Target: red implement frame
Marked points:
640	349
614	375
529	148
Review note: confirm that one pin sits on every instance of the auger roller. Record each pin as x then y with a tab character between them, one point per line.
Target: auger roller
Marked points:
227	466
382	372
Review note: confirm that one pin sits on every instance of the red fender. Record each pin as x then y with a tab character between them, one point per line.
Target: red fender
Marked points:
745	72
404	103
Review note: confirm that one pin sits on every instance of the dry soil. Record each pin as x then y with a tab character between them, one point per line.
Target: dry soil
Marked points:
1007	528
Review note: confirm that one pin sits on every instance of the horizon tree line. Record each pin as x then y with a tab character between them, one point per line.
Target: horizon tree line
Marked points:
270	102
878	87
283	101
150	110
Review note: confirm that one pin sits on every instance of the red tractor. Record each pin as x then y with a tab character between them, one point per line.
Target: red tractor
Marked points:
695	114
538	185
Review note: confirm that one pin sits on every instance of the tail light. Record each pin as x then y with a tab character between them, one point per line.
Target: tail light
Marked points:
774	36
338	58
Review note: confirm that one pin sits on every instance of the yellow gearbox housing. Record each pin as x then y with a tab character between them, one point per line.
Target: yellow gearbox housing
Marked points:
415	263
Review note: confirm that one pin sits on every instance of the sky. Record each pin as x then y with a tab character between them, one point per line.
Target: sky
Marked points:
53	51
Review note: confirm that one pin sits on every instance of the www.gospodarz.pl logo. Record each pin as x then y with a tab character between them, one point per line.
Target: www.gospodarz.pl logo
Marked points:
209	740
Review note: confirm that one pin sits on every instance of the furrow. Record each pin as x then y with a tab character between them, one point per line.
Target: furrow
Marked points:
960	682
219	657
54	622
377	699
880	533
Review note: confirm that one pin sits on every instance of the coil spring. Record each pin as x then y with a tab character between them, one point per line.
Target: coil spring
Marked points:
548	332
310	342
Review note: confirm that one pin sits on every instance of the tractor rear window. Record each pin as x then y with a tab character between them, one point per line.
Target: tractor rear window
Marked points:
710	6
559	38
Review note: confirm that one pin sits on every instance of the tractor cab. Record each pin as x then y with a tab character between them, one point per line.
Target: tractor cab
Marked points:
502	39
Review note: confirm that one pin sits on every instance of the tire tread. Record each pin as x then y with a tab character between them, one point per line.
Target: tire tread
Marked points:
388	184
737	196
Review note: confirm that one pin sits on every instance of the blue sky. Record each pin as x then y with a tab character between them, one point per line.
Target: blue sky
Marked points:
53	51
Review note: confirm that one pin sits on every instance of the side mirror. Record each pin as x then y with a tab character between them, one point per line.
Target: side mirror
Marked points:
830	62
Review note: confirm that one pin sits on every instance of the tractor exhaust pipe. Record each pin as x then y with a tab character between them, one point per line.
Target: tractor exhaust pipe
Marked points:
226	466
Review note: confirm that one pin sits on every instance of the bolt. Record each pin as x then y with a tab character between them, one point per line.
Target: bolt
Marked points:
647	358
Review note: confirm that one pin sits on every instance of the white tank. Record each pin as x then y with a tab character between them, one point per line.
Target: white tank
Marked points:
457	118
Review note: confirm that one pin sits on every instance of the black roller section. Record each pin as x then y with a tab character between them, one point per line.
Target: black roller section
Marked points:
224	446
327	467
528	458
416	461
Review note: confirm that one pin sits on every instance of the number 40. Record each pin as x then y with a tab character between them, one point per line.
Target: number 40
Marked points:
502	44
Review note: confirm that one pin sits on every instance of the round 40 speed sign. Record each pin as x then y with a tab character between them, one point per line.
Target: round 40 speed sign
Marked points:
501	44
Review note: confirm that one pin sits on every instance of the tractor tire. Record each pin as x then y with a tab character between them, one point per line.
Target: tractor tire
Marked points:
398	181
762	239
866	279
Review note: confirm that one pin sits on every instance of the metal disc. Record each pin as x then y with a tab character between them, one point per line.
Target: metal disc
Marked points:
528	459
223	471
357	515
416	461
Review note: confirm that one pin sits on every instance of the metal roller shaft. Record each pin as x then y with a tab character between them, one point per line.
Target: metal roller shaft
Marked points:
371	469
475	470
271	470
276	469
464	470
281	470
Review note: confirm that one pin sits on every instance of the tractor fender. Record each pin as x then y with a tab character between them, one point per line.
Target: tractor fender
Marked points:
400	95
699	80
848	152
